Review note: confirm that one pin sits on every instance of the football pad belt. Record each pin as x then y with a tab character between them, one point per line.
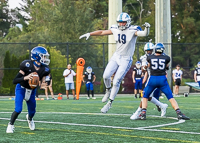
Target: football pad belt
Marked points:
27	94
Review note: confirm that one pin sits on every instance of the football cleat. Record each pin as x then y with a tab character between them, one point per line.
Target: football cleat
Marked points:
182	116
106	107
10	128
107	95
163	110
88	97
143	115
158	108
31	124
135	116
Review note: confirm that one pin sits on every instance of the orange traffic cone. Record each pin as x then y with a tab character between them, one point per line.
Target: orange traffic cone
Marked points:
79	75
59	96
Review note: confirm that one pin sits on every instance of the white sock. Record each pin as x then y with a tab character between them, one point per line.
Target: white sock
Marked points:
114	92
155	101
107	82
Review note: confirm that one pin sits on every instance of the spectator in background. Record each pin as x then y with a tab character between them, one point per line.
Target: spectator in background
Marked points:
48	81
89	78
69	82
137	78
197	74
177	77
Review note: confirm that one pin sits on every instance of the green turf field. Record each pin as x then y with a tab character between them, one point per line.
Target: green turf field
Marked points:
81	121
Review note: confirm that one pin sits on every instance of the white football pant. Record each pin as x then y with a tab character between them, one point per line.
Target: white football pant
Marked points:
119	65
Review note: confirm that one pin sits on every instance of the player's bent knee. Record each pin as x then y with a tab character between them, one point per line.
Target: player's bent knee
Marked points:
18	110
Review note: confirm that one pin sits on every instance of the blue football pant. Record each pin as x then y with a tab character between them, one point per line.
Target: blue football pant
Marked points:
89	86
19	97
158	82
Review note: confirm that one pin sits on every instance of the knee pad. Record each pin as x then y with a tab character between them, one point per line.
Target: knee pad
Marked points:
116	82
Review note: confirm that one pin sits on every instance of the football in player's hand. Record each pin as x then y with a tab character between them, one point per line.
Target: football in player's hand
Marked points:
34	81
144	68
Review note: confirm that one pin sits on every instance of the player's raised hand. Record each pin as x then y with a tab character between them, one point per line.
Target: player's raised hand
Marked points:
147	25
87	35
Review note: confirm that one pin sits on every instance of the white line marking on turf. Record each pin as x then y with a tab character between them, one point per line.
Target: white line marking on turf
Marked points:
103	126
138	128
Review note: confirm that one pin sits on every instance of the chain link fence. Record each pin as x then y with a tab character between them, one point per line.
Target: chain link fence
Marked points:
95	55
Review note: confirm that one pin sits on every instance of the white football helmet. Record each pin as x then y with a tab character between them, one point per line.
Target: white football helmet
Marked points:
123	17
198	65
89	69
148	47
138	64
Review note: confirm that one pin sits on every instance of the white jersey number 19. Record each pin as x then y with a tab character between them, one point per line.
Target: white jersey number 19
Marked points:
122	38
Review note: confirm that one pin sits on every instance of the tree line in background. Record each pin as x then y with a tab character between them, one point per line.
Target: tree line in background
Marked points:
59	21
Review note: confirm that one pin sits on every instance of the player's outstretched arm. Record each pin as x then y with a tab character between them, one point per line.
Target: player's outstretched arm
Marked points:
145	32
96	33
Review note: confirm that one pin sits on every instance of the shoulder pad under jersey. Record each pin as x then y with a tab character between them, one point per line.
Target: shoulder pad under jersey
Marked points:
25	64
143	57
135	27
114	27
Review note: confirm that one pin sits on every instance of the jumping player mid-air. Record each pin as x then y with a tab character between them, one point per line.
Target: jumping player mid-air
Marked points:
125	36
137	77
158	63
38	63
154	97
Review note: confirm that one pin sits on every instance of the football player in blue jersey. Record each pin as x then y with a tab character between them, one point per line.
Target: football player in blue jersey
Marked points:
158	63
137	78
154	97
125	36
39	63
89	78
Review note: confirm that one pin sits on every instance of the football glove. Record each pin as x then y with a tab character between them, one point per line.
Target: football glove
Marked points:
147	25
87	35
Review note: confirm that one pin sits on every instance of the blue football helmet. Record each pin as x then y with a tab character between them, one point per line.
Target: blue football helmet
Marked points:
123	17
41	55
198	64
89	69
138	64
159	48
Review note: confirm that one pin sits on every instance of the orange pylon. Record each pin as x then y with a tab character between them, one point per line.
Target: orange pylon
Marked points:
79	75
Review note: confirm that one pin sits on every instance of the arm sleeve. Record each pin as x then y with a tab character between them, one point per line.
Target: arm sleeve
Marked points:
19	78
143	33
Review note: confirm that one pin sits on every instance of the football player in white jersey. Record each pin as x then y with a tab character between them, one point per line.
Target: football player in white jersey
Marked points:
197	74
154	97
125	36
177	77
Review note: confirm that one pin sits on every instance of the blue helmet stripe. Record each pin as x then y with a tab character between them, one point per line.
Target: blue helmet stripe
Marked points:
121	16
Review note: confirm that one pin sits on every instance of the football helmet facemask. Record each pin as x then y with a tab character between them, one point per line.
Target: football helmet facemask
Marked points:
41	55
123	17
89	69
